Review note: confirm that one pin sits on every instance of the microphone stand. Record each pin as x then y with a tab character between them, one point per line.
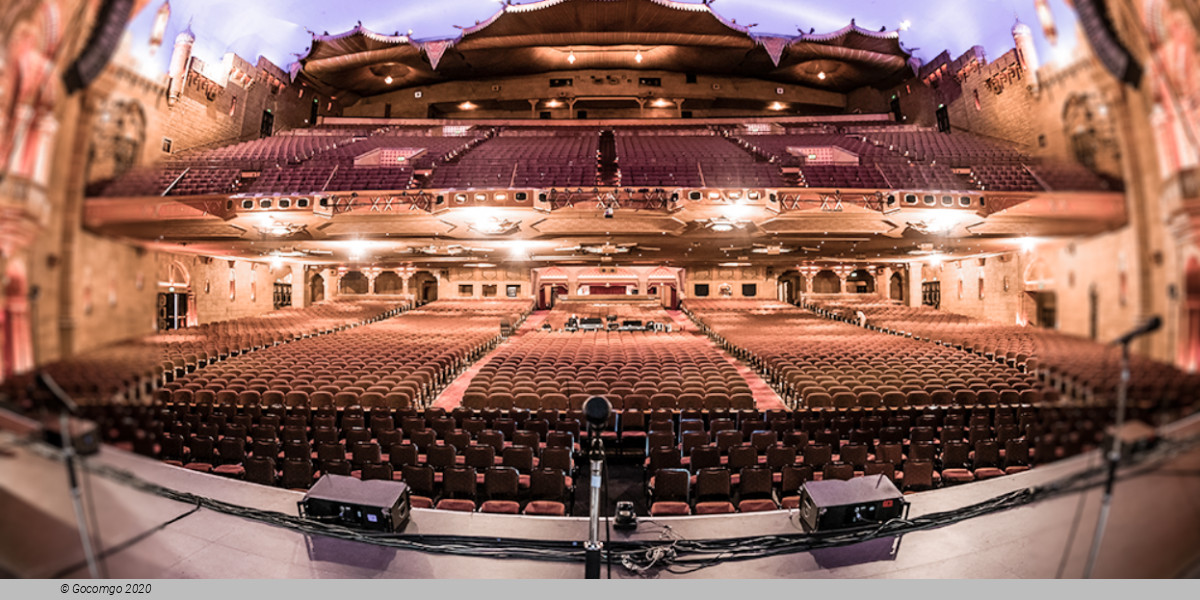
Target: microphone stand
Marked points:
65	407
1114	458
594	548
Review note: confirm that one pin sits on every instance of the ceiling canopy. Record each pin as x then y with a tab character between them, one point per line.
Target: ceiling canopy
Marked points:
560	35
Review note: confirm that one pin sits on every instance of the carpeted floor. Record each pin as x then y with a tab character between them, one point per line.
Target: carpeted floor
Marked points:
764	397
453	394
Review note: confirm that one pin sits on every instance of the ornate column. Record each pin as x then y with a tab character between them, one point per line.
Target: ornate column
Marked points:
406	273
572	282
915	279
842	273
333	283
372	273
883	276
299	286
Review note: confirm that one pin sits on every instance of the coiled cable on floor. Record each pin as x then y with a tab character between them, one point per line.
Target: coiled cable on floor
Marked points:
671	551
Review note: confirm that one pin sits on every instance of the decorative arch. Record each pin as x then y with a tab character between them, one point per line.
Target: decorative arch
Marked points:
791	285
826	282
316	288
1037	276
388	282
896	287
425	286
175	276
353	282
861	281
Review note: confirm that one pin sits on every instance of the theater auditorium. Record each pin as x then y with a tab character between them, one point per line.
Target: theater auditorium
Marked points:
614	288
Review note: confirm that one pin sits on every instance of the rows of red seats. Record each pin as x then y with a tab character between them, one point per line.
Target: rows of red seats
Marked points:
1071	365
131	369
817	362
635	369
520	460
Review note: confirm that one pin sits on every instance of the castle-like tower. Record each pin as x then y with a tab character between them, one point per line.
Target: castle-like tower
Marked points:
160	27
1026	51
179	63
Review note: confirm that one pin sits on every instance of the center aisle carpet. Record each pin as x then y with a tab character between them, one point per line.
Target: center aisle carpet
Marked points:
765	398
451	397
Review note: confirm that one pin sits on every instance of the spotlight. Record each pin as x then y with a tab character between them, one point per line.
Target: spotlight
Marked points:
571	57
388	80
638	57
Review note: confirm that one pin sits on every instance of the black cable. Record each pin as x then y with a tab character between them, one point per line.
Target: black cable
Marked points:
103	556
679	554
94	525
1062	562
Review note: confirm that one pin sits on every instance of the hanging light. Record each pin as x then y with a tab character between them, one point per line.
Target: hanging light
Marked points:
821	75
388	80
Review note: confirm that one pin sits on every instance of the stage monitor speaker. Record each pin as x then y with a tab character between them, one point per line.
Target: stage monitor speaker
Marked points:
837	504
85	435
375	505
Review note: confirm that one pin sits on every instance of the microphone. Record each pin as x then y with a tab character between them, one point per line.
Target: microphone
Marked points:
597	410
1150	325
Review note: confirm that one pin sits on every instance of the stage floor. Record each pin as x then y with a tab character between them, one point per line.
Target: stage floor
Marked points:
1154	531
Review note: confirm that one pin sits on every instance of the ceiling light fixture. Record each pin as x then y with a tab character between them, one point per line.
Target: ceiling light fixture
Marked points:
942	223
638	57
737	211
821	75
571	57
357	249
777	106
493	225
466	106
388	80
660	103
553	104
